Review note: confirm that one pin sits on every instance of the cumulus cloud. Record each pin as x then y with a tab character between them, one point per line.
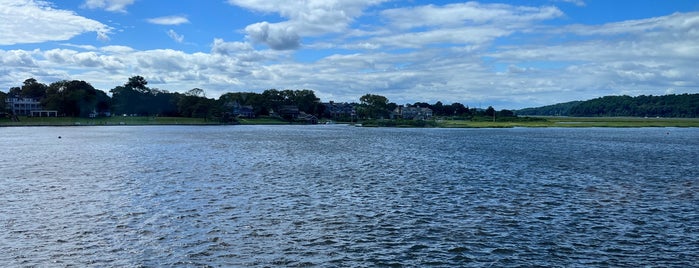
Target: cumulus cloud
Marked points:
29	21
169	20
470	23
449	53
305	18
17	58
109	5
470	13
277	36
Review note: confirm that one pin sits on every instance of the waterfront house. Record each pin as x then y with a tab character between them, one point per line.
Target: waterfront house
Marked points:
288	111
409	112
339	110
27	107
245	111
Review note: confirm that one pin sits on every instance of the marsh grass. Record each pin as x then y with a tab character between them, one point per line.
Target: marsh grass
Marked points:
578	122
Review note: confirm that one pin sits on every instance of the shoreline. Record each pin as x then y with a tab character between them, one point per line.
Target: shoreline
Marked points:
548	122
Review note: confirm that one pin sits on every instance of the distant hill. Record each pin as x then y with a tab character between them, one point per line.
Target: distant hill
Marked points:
561	109
683	105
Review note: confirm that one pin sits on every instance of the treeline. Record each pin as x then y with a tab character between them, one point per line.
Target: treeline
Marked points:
80	99
682	105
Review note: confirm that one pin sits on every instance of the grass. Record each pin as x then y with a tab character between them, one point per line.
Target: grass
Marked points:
578	122
447	123
262	121
116	120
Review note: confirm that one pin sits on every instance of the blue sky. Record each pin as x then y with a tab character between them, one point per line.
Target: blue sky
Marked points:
508	54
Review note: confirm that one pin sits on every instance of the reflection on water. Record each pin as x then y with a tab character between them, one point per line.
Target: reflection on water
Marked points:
348	197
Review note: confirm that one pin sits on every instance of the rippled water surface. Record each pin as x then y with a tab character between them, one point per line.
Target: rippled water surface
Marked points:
340	196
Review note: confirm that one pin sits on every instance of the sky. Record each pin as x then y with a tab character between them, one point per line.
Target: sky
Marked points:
505	54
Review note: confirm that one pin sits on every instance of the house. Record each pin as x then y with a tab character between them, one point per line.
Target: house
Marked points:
288	111
309	118
245	111
22	106
339	110
408	112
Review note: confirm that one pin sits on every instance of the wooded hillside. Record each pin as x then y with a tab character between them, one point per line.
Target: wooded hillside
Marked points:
683	105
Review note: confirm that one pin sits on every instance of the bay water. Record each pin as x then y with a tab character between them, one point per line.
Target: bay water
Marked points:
343	196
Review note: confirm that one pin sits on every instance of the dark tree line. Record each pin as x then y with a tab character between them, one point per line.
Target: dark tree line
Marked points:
79	98
683	105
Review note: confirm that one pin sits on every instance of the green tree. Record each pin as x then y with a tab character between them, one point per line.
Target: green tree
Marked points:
137	83
3	105
459	109
374	106
196	106
307	102
15	92
255	100
74	98
33	89
196	92
490	111
136	98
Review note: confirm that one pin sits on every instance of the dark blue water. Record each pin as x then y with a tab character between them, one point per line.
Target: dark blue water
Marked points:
340	196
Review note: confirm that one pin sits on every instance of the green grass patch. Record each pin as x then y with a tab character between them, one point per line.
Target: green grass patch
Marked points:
262	121
116	120
446	123
577	122
622	122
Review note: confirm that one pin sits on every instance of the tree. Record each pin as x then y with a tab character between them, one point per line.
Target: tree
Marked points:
196	92
374	106
307	102
135	98
459	109
137	83
506	113
490	111
15	92
3	106
196	106
75	98
33	89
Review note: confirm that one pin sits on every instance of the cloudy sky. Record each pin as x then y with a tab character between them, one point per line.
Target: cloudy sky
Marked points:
508	54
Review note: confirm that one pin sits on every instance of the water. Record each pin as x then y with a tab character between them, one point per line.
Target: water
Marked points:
340	196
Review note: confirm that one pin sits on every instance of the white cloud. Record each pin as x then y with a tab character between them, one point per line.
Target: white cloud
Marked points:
277	36
29	21
241	51
455	36
470	13
169	20
175	36
450	53
305	18
117	49
83	47
468	23
17	58
109	5
580	3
